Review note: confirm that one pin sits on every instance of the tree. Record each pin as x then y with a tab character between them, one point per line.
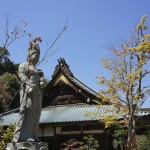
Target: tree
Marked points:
90	143
128	87
5	97
3	54
9	85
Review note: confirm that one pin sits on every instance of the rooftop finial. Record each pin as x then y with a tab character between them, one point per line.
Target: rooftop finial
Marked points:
63	66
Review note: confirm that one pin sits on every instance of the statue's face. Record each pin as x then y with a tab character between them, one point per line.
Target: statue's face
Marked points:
34	56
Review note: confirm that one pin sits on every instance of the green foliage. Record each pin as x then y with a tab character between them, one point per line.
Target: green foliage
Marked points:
120	133
3	54
143	143
9	86
147	133
6	136
89	143
10	82
120	129
5	97
8	66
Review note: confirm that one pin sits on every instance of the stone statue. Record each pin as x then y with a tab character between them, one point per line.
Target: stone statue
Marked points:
30	96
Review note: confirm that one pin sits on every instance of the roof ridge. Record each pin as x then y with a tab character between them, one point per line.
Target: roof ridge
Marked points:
70	105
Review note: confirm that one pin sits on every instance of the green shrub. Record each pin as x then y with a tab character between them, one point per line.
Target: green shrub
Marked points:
89	143
6	136
142	142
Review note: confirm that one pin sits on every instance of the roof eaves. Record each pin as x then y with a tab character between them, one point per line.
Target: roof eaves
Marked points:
80	84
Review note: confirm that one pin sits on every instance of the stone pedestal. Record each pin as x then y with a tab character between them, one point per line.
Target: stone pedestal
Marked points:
27	146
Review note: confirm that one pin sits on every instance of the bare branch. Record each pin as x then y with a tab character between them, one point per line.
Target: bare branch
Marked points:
6	29
145	73
145	87
53	43
115	91
17	32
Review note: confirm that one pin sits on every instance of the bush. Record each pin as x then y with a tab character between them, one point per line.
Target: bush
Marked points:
89	143
6	136
142	142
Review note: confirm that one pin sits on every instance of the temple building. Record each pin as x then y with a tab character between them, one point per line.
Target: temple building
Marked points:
65	116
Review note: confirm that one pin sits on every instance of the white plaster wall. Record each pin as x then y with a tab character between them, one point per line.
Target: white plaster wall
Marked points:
39	132
84	132
58	130
48	131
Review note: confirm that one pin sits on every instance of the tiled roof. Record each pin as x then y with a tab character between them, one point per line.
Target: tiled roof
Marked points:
66	113
81	85
58	114
8	119
70	113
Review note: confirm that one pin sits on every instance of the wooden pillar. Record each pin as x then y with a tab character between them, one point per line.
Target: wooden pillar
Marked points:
106	141
60	141
54	142
81	132
42	133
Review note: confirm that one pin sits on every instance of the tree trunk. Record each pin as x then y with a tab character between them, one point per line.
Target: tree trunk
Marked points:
131	141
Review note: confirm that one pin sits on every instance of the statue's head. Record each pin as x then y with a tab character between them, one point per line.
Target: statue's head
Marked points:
33	52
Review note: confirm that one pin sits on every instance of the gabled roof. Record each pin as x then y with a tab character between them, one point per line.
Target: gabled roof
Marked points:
63	73
68	114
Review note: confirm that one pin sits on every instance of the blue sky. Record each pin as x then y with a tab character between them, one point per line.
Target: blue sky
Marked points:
92	23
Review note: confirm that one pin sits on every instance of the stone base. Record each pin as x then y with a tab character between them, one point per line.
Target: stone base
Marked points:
27	146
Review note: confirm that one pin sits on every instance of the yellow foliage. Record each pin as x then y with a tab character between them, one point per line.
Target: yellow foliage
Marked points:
122	123
142	47
117	104
109	120
124	109
101	79
106	64
141	24
146	37
104	97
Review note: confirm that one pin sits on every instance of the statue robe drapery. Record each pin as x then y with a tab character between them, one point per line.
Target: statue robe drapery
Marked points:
30	104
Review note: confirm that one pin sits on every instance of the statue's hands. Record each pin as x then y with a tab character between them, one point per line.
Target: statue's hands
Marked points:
30	89
42	81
